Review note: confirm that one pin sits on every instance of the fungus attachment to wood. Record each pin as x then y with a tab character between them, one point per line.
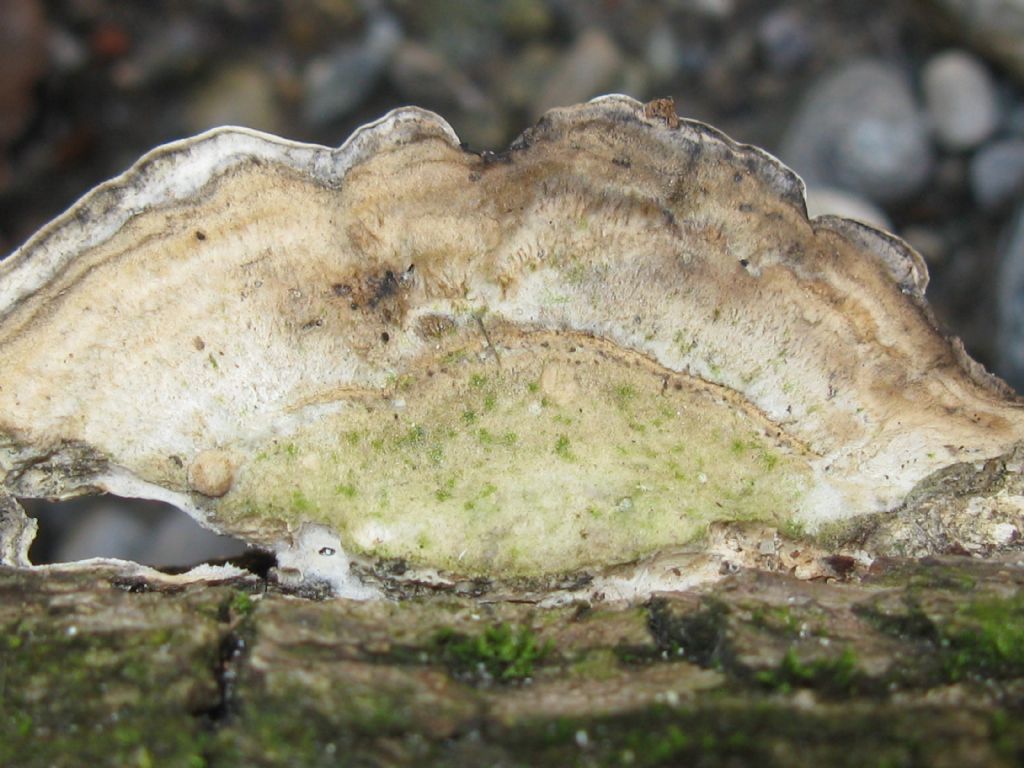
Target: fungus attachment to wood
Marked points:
614	358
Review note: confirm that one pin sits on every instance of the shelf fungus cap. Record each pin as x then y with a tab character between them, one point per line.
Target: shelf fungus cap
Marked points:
571	364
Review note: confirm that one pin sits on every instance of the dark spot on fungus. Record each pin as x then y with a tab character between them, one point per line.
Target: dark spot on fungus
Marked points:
383	292
385	337
200	235
199	344
744	263
382	287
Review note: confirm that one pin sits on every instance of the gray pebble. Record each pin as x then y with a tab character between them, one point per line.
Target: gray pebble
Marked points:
1014	120
23	61
420	74
961	99
526	74
526	19
828	201
927	242
1010	299
181	47
995	27
339	81
785	40
859	129
997	173
152	534
106	532
179	540
715	9
585	70
238	94
662	53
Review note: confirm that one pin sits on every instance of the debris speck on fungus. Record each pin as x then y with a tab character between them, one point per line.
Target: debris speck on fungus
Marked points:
620	378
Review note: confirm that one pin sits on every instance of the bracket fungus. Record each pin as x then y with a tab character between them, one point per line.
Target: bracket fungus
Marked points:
572	364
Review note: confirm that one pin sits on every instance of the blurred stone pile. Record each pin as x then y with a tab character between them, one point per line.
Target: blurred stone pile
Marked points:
910	116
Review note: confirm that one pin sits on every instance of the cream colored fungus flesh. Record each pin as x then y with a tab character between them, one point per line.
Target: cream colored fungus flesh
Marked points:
566	455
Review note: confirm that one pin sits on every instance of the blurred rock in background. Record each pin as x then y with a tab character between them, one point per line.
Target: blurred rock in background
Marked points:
23	60
147	532
861	130
910	116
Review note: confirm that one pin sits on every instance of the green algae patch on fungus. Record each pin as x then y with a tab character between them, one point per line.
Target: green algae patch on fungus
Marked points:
566	456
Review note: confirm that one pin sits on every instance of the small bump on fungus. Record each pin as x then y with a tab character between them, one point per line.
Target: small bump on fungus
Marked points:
617	357
211	473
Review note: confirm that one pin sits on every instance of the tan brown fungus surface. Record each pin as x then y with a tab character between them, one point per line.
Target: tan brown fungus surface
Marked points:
578	353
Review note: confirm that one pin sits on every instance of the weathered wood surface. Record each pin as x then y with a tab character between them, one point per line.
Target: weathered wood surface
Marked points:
915	664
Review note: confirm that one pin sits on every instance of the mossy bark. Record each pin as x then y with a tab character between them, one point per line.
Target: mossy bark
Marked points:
918	663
